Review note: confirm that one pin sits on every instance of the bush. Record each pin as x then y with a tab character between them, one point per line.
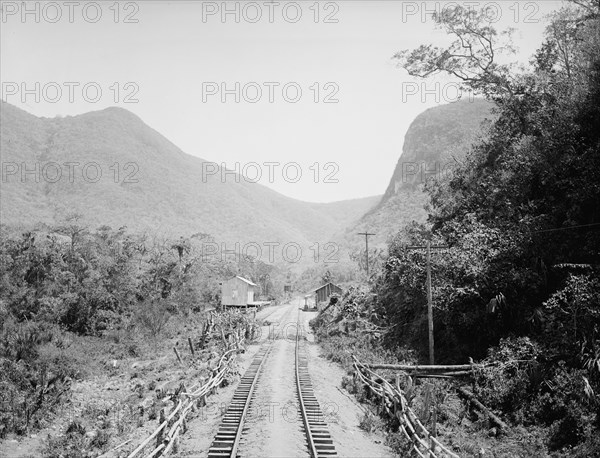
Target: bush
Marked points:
570	430
572	320
509	380
152	316
369	422
561	404
100	439
72	444
34	375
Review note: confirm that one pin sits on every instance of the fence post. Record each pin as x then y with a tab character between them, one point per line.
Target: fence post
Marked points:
177	354
426	403
161	420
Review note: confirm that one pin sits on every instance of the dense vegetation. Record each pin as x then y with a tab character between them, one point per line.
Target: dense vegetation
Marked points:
65	282
520	215
525	201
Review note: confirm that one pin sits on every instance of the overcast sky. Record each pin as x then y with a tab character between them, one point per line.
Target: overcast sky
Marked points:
175	50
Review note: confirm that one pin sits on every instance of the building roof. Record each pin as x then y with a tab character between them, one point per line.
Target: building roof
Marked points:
245	280
323	286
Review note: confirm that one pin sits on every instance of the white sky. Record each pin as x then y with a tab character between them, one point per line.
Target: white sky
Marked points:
171	51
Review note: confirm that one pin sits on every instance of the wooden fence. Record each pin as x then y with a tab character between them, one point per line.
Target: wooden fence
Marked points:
165	438
395	405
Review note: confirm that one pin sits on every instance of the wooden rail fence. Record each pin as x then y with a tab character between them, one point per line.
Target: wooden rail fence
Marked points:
395	405
166	437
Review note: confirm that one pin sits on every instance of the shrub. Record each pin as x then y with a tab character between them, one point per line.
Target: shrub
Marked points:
34	375
72	444
570	430
508	382
100	439
561	404
152	316
368	422
572	320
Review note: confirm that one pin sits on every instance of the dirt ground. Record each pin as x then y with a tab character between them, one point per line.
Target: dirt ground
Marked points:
274	428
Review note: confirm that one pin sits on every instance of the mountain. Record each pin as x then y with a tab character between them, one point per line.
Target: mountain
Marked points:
115	170
434	142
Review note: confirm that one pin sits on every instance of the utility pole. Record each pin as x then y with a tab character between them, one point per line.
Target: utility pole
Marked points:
366	234
429	296
430	305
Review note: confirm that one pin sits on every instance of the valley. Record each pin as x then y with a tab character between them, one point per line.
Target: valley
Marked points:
433	289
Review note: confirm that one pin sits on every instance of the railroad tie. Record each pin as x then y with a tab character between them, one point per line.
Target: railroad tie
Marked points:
227	439
319	441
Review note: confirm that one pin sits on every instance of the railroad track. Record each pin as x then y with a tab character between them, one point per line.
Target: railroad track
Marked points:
264	318
228	437
319	440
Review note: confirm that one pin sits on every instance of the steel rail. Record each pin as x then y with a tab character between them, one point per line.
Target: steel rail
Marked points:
228	437
318	438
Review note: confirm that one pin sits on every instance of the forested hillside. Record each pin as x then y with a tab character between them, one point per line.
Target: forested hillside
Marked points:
516	280
124	173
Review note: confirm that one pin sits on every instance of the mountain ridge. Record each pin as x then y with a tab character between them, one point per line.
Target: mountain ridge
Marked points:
146	183
434	140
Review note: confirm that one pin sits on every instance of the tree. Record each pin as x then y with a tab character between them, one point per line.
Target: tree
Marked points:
526	195
472	57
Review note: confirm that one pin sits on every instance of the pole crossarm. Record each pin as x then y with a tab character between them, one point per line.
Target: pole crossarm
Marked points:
367	234
424	247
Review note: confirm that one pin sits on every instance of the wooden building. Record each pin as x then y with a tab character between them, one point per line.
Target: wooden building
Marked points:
322	293
238	292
